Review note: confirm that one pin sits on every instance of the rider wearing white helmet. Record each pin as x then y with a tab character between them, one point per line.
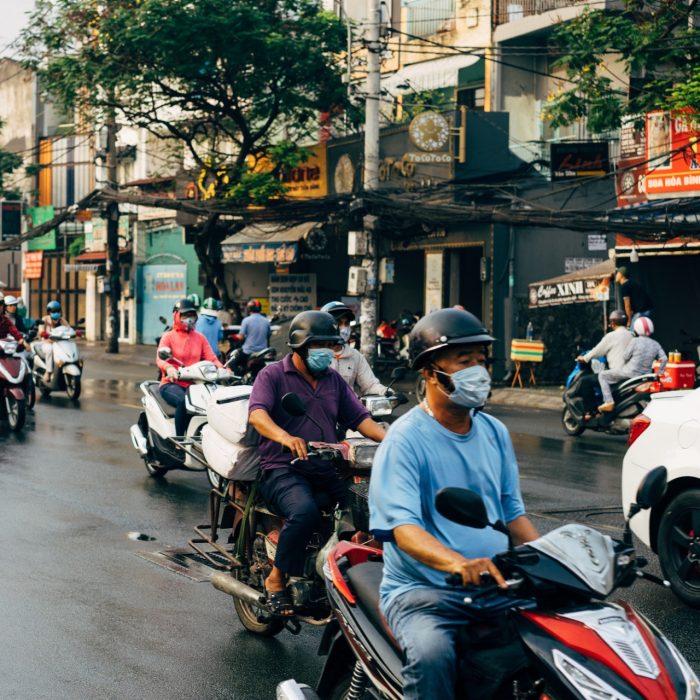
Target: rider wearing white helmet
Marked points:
639	359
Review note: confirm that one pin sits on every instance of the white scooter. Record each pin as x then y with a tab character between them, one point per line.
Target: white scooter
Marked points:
153	435
67	365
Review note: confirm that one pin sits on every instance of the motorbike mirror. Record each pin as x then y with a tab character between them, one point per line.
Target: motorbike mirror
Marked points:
165	353
652	488
398	373
293	405
163	320
462	506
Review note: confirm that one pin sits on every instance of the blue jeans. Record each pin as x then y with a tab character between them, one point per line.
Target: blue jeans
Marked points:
426	623
174	394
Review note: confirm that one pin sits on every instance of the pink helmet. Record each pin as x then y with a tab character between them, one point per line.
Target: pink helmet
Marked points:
643	326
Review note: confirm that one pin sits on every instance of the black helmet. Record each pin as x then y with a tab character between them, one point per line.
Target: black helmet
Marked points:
442	328
618	317
337	309
312	325
184	305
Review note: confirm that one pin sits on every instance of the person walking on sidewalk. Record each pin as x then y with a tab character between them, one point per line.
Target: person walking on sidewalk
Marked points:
635	298
639	359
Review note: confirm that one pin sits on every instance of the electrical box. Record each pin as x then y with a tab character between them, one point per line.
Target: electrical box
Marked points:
484	269
357	243
386	270
357	280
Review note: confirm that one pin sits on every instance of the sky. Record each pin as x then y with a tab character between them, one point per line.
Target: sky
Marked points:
13	20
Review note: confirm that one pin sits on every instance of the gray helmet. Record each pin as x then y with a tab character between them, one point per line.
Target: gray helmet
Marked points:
618	317
442	328
312	325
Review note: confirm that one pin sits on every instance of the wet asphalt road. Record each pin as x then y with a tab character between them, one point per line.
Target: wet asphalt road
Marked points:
85	617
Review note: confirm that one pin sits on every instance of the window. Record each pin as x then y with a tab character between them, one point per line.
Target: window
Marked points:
428	17
472	98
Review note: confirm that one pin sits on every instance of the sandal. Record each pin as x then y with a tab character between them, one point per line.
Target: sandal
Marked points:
279	603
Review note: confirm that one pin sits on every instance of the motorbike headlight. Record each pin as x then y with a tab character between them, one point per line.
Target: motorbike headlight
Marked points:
586	683
377	405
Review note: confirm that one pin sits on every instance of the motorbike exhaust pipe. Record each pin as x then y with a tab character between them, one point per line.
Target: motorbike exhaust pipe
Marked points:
228	584
139	440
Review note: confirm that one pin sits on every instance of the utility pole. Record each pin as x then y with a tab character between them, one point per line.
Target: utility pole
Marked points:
368	304
112	214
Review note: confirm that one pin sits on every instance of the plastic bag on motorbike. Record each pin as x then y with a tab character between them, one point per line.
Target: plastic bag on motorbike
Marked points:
227	413
230	460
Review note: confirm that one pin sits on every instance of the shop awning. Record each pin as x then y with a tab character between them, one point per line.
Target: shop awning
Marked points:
428	75
591	284
266	243
91	260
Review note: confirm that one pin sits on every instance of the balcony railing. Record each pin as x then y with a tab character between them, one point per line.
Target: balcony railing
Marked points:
512	10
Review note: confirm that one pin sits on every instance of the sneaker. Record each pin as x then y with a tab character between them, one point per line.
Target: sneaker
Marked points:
607	407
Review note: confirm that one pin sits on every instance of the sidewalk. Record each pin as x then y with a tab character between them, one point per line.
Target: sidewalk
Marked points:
546	398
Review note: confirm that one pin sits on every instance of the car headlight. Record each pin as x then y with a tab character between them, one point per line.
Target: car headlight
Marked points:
586	683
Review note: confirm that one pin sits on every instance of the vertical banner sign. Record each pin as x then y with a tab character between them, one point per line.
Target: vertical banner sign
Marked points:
33	265
433	281
38	216
161	287
673	155
10	220
292	294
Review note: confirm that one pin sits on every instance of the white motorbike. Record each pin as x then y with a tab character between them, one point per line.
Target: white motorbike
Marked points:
67	365
154	436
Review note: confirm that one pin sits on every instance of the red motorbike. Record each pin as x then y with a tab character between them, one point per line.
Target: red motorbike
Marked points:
559	639
13	372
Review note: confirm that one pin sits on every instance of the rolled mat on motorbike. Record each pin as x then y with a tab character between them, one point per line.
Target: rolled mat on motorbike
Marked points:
558	639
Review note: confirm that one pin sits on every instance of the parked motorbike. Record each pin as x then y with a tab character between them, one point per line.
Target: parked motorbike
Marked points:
67	365
241	537
631	397
256	361
13	372
559	638
153	435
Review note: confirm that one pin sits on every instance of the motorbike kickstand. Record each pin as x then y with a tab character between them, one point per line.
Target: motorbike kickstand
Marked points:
293	625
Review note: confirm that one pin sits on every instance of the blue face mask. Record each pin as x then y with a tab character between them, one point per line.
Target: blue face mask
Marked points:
319	360
56	315
471	386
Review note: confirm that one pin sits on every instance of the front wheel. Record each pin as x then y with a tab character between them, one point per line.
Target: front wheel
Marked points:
154	469
73	387
571	425
16	412
678	546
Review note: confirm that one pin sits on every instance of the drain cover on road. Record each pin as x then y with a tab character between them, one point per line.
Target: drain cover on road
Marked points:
183	561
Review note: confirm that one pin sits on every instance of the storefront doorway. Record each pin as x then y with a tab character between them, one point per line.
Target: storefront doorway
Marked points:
463	279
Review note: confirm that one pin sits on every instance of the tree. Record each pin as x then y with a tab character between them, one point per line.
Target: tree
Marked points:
9	162
236	82
654	41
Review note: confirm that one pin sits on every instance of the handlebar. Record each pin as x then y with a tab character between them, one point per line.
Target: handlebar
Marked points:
511	584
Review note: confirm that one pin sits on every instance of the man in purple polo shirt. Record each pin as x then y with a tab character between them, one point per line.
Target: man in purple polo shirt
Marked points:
291	489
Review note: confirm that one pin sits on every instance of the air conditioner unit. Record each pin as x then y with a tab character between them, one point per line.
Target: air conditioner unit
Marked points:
357	243
357	280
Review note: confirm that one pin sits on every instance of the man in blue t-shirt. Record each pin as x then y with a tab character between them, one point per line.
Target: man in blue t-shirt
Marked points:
255	331
442	442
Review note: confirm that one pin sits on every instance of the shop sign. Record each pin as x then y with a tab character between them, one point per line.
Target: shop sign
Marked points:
10	220
292	294
165	281
556	294
597	241
36	217
433	281
579	159
673	155
630	181
276	253
33	265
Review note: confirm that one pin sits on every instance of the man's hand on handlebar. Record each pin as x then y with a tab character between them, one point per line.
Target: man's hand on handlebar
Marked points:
472	570
296	445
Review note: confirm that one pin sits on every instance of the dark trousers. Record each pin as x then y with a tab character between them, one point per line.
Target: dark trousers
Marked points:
589	383
174	394
297	496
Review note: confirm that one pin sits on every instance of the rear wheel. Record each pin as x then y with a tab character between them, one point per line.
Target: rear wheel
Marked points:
30	393
73	387
679	546
215	479
16	412
571	425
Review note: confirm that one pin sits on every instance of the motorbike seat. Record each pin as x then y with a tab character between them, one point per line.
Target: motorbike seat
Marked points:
365	580
154	391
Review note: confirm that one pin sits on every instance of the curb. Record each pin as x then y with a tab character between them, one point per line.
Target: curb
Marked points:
524	398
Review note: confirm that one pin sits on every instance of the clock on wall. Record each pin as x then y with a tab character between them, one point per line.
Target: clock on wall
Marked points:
344	175
429	131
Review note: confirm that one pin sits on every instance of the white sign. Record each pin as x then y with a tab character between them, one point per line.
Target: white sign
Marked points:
433	281
292	294
597	241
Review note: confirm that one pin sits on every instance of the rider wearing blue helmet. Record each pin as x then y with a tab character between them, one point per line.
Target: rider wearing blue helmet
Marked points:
53	319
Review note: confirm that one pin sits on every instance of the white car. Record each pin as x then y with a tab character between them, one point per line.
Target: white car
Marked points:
668	433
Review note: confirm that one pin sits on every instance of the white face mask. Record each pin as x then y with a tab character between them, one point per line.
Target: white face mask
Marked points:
345	333
472	386
188	322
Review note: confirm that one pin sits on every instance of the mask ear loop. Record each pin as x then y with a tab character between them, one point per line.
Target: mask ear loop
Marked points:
443	379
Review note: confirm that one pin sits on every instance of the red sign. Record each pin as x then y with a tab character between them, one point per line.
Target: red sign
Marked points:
673	155
629	181
33	264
